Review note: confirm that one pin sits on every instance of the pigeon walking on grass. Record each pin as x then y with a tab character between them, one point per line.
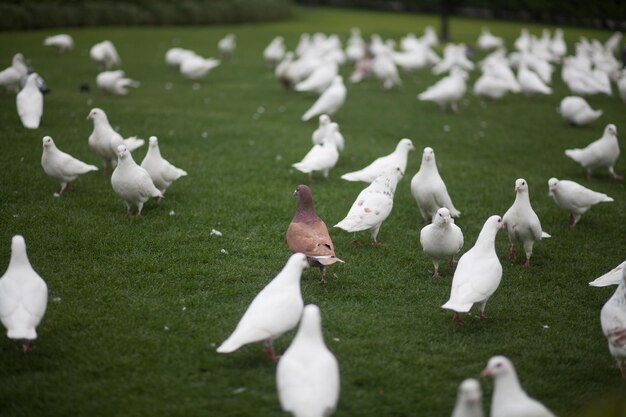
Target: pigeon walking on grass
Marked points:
105	55
163	173
307	374
23	296
115	82
30	103
577	111
574	198
613	320
330	101
227	45
373	205
276	309
398	158
131	182
477	274
321	158
442	239
469	400
509	398
530	82
307	233
11	76
429	190
602	153
448	91
522	224
613	277
60	166
63	42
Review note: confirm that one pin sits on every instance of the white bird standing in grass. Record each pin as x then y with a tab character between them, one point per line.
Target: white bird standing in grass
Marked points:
447	91
398	158
196	67
104	140
509	398
602	153
322	158
11	76
115	82
320	79
373	205
613	320
442	239
274	52
307	374
132	182
429	190
577	111
320	133
60	166
330	101
105	55
469	400
275	310
488	41
227	45
29	103
63	42
163	173
613	277
478	273
521	223
530	82
175	56
574	198
23	296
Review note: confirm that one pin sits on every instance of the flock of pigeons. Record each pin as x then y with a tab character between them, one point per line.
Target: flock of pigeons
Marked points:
308	373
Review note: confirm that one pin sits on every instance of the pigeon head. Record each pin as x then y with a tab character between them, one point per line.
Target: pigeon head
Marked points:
96	114
298	260
305	209
154	142
47	142
122	152
498	366
494	222
310	324
470	392
31	80
324	120
552	184
442	216
18	59
428	155
521	186
610	130
405	145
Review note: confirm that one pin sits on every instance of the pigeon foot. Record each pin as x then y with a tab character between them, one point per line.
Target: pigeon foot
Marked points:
525	264
512	253
435	274
481	316
269	351
456	317
355	242
452	263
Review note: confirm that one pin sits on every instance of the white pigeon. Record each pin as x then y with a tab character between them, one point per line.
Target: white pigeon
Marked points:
613	277
398	158
60	166
196	67
478	273
10	77
163	173
574	198
307	374
320	133
320	79
115	82
602	153
104	140
469	400
175	56
330	101
29	103
274	52
321	158
276	309
577	111
530	82
613	320
509	398
384	68
442	239
282	71
132	182
429	190
488	41
373	205
491	87
558	46
105	55
63	42
447	91
227	45
521	223
23	296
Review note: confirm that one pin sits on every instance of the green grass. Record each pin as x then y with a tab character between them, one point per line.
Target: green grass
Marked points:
137	306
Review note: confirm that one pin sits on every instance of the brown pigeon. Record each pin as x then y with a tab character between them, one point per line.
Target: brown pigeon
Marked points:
307	233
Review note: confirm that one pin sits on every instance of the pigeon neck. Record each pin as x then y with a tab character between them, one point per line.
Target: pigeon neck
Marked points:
310	332
507	389
154	151
18	257
487	238
522	199
305	210
430	165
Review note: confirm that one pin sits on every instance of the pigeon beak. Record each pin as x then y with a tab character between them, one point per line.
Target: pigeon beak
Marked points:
88	116
516	189
485	373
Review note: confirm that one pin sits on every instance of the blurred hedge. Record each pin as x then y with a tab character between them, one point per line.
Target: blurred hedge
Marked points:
607	14
32	14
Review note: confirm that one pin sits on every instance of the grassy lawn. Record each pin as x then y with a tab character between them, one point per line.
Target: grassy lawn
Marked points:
137	306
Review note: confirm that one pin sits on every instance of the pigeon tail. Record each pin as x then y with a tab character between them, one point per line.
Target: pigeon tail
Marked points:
353	176
326	260
459	308
606	199
21	333
133	143
352	224
544	235
309	114
229	346
454	212
575	154
302	167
